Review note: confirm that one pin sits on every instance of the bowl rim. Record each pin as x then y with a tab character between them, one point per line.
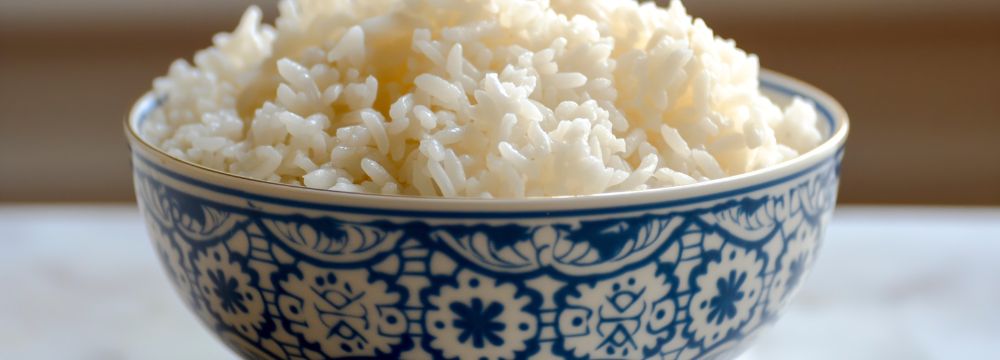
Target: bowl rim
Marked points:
829	110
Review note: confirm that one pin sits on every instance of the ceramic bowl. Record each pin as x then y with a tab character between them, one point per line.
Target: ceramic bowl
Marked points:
282	272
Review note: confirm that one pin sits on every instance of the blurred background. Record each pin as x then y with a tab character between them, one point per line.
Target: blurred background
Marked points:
920	79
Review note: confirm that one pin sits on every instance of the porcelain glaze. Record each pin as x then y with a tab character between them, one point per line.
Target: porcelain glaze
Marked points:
280	272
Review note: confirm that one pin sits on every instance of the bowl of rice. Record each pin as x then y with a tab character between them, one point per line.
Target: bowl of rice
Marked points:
484	179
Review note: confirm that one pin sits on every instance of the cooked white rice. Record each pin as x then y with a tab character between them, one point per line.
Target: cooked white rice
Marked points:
476	98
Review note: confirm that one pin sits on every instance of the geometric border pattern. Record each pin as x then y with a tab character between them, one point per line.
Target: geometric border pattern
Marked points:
677	282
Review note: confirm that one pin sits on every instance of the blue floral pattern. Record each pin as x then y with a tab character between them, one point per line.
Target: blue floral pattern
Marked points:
227	290
478	323
727	292
673	282
796	259
477	318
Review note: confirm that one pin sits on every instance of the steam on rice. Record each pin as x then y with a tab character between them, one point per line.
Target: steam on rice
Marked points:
476	98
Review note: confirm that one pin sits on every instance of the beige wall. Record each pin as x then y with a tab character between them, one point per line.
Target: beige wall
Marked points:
919	77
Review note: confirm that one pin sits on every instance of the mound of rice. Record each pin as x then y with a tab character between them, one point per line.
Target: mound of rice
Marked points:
476	98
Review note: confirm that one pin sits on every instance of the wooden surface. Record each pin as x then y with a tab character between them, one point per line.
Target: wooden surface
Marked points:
921	89
889	283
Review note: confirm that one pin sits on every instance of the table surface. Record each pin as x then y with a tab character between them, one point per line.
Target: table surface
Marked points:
891	283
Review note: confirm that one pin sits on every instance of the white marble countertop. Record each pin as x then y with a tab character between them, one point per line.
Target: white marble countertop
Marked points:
82	282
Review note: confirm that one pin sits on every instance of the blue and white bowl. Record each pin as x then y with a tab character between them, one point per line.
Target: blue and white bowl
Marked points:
282	272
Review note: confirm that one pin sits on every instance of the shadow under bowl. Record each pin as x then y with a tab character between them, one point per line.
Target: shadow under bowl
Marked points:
283	272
